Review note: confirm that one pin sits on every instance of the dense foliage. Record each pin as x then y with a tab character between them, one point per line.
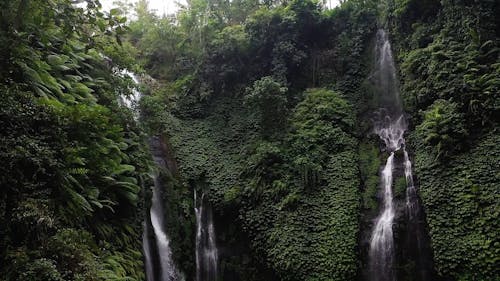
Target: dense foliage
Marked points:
277	159
263	106
233	89
73	159
449	53
305	220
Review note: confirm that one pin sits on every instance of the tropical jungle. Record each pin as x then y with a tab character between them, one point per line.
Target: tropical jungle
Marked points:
250	140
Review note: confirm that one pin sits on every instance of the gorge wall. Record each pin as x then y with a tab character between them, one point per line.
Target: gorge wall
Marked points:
265	165
296	170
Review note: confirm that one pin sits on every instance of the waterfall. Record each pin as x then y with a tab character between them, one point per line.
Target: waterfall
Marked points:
167	270
206	248
381	253
382	244
390	129
411	192
161	256
390	125
417	233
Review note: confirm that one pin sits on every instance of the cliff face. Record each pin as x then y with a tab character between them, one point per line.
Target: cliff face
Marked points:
283	207
265	111
276	150
273	126
449	57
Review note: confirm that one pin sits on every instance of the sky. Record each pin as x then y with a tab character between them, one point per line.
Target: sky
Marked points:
169	6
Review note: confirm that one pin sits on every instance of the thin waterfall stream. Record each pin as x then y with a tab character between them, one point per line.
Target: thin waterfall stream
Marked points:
390	125
158	261
168	270
206	248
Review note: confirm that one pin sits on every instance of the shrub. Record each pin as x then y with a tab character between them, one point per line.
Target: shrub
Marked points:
268	98
443	127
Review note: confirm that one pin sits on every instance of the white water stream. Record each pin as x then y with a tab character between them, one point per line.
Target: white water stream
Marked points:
167	270
390	125
381	253
206	248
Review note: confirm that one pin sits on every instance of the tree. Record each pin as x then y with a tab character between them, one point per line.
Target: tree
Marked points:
268	98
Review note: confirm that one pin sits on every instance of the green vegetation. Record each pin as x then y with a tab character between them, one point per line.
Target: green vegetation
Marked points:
73	159
369	164
278	159
268	98
449	57
310	232
461	198
442	127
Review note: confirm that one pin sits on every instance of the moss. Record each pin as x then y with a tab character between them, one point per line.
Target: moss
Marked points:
460	199
369	164
448	64
400	187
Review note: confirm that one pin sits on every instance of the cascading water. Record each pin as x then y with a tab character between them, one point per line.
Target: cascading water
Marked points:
411	192
419	251
390	125
168	271
381	253
159	264
206	248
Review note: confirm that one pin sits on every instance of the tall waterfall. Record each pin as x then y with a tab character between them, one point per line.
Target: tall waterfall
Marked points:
206	248
158	260
390	125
